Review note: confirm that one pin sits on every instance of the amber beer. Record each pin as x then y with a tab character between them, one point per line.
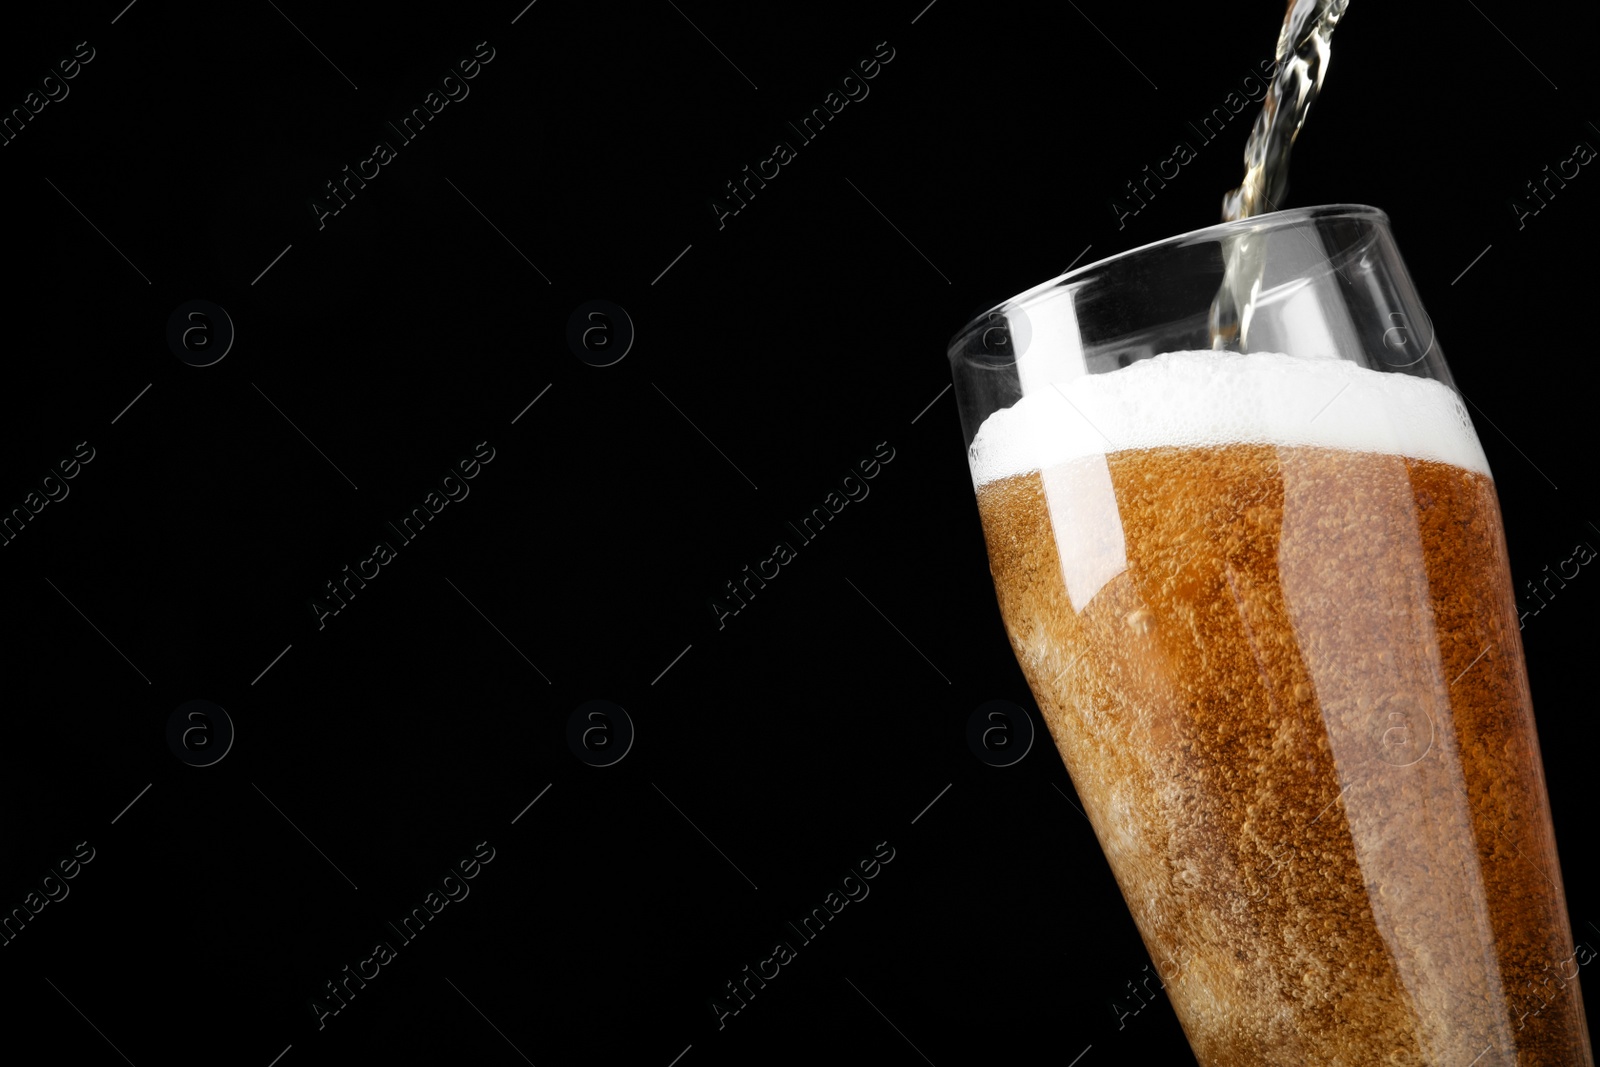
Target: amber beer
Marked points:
1286	678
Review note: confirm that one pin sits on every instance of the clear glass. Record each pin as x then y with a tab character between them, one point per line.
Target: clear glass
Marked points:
1263	600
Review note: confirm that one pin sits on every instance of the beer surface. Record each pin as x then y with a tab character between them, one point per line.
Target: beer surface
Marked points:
1287	682
1194	399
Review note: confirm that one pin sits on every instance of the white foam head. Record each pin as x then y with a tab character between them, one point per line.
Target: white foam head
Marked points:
1200	399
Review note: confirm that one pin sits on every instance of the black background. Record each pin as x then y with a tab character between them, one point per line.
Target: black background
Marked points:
823	718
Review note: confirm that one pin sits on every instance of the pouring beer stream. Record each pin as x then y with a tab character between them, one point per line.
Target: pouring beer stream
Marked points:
1302	62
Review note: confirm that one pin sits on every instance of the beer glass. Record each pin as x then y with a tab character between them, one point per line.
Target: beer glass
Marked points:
1261	594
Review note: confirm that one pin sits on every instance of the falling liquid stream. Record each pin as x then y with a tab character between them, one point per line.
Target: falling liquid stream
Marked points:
1302	63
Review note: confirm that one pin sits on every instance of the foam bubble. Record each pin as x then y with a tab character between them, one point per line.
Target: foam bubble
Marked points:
1200	399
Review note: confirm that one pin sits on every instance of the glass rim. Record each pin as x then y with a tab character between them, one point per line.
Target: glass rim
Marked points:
1220	229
